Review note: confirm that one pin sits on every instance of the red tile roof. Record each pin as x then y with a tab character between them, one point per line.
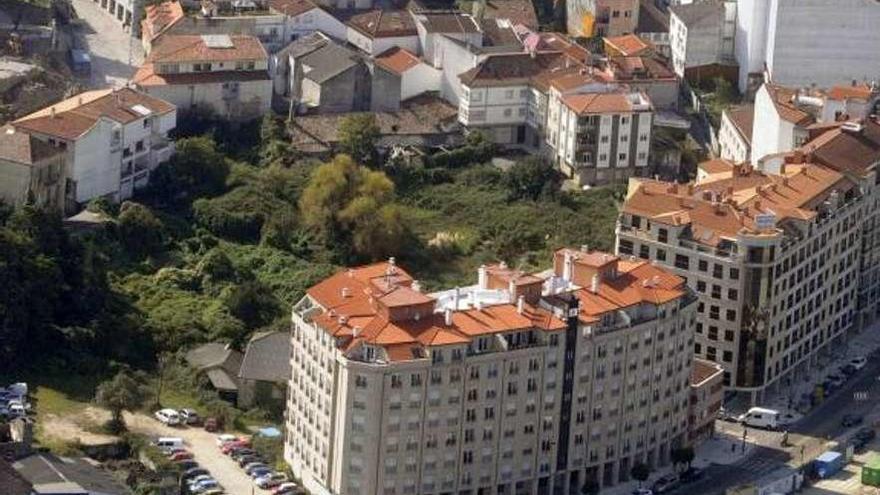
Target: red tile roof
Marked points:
384	24
292	8
628	45
516	11
784	100
72	117
159	17
742	117
598	103
146	76
195	48
397	60
22	148
856	92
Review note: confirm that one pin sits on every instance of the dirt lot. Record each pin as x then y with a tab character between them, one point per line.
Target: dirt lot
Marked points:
201	443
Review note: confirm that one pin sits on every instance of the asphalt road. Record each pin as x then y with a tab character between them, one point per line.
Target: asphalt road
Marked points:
812	433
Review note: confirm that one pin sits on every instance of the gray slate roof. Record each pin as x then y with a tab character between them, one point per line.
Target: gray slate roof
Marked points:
305	45
267	358
220	364
44	469
329	61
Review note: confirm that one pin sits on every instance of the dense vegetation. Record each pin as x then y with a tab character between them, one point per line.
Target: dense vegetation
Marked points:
230	234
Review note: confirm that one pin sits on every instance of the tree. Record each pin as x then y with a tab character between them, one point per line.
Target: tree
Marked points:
196	169
124	392
275	147
531	178
253	303
351	205
358	134
683	456
139	229
640	472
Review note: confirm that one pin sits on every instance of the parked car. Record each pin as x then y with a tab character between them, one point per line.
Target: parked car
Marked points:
198	479
250	468
229	447
858	362
270	480
186	464
850	420
759	417
205	486
249	459
169	442
213	424
835	380
286	488
642	491
665	483
16	410
193	472
240	452
725	415
691	474
260	472
188	416
214	491
181	456
168	417
170	451
225	438
863	437
20	388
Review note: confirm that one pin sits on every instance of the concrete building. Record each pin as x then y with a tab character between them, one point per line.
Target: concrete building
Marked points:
303	17
588	18
707	393
432	26
599	134
648	73
735	133
113	139
126	12
776	42
416	76
520	384
378	31
701	34
32	171
225	74
772	254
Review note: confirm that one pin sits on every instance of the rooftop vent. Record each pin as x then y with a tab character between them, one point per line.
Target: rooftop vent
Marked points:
217	41
854	127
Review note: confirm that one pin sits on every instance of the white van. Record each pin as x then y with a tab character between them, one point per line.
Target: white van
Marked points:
169	442
168	416
759	417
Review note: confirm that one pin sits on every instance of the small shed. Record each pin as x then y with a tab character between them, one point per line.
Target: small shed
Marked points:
220	364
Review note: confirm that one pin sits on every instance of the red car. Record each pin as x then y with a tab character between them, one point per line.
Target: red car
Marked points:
228	446
179	456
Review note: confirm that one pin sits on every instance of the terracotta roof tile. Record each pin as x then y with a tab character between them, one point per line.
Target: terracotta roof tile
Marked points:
74	116
516	11
159	17
146	76
856	92
597	103
628	45
384	24
397	60
847	151
292	8
784	100
453	23
196	48
742	117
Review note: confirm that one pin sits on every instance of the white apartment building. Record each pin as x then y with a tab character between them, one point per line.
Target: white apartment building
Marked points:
125	12
113	139
599	134
773	256
526	384
735	133
701	34
777	41
223	73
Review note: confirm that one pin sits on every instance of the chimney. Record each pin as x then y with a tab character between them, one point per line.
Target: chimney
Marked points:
79	101
416	286
392	261
355	332
594	287
585	248
346	292
456	297
511	290
447	317
520	304
52	112
343	319
482	277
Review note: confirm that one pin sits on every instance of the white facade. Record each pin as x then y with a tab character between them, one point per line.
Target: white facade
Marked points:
771	133
782	36
732	144
706	41
419	79
314	20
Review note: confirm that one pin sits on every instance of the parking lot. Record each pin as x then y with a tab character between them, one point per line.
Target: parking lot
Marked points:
203	446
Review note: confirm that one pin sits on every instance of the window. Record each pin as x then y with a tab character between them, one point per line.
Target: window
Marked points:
624	246
644	252
621	157
732	294
734	273
731	315
727	356
701	286
662	235
523	93
682	262
661	255
508	112
702	265
508	94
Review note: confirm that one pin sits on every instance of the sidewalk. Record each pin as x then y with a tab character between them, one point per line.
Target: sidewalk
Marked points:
723	449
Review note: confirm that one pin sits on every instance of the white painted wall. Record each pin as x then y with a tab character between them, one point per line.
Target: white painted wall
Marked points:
419	79
732	145
375	46
184	96
311	21
790	36
455	60
770	133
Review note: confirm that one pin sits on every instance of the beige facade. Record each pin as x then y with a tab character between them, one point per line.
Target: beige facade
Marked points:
520	384
772	255
31	171
707	393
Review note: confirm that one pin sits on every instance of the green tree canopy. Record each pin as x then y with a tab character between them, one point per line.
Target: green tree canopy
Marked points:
139	229
531	178
124	392
358	134
196	169
353	205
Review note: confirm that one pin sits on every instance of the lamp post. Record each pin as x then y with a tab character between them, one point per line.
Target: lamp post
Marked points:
745	435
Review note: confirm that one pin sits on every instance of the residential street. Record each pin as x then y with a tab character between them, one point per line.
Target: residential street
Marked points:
115	55
812	432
